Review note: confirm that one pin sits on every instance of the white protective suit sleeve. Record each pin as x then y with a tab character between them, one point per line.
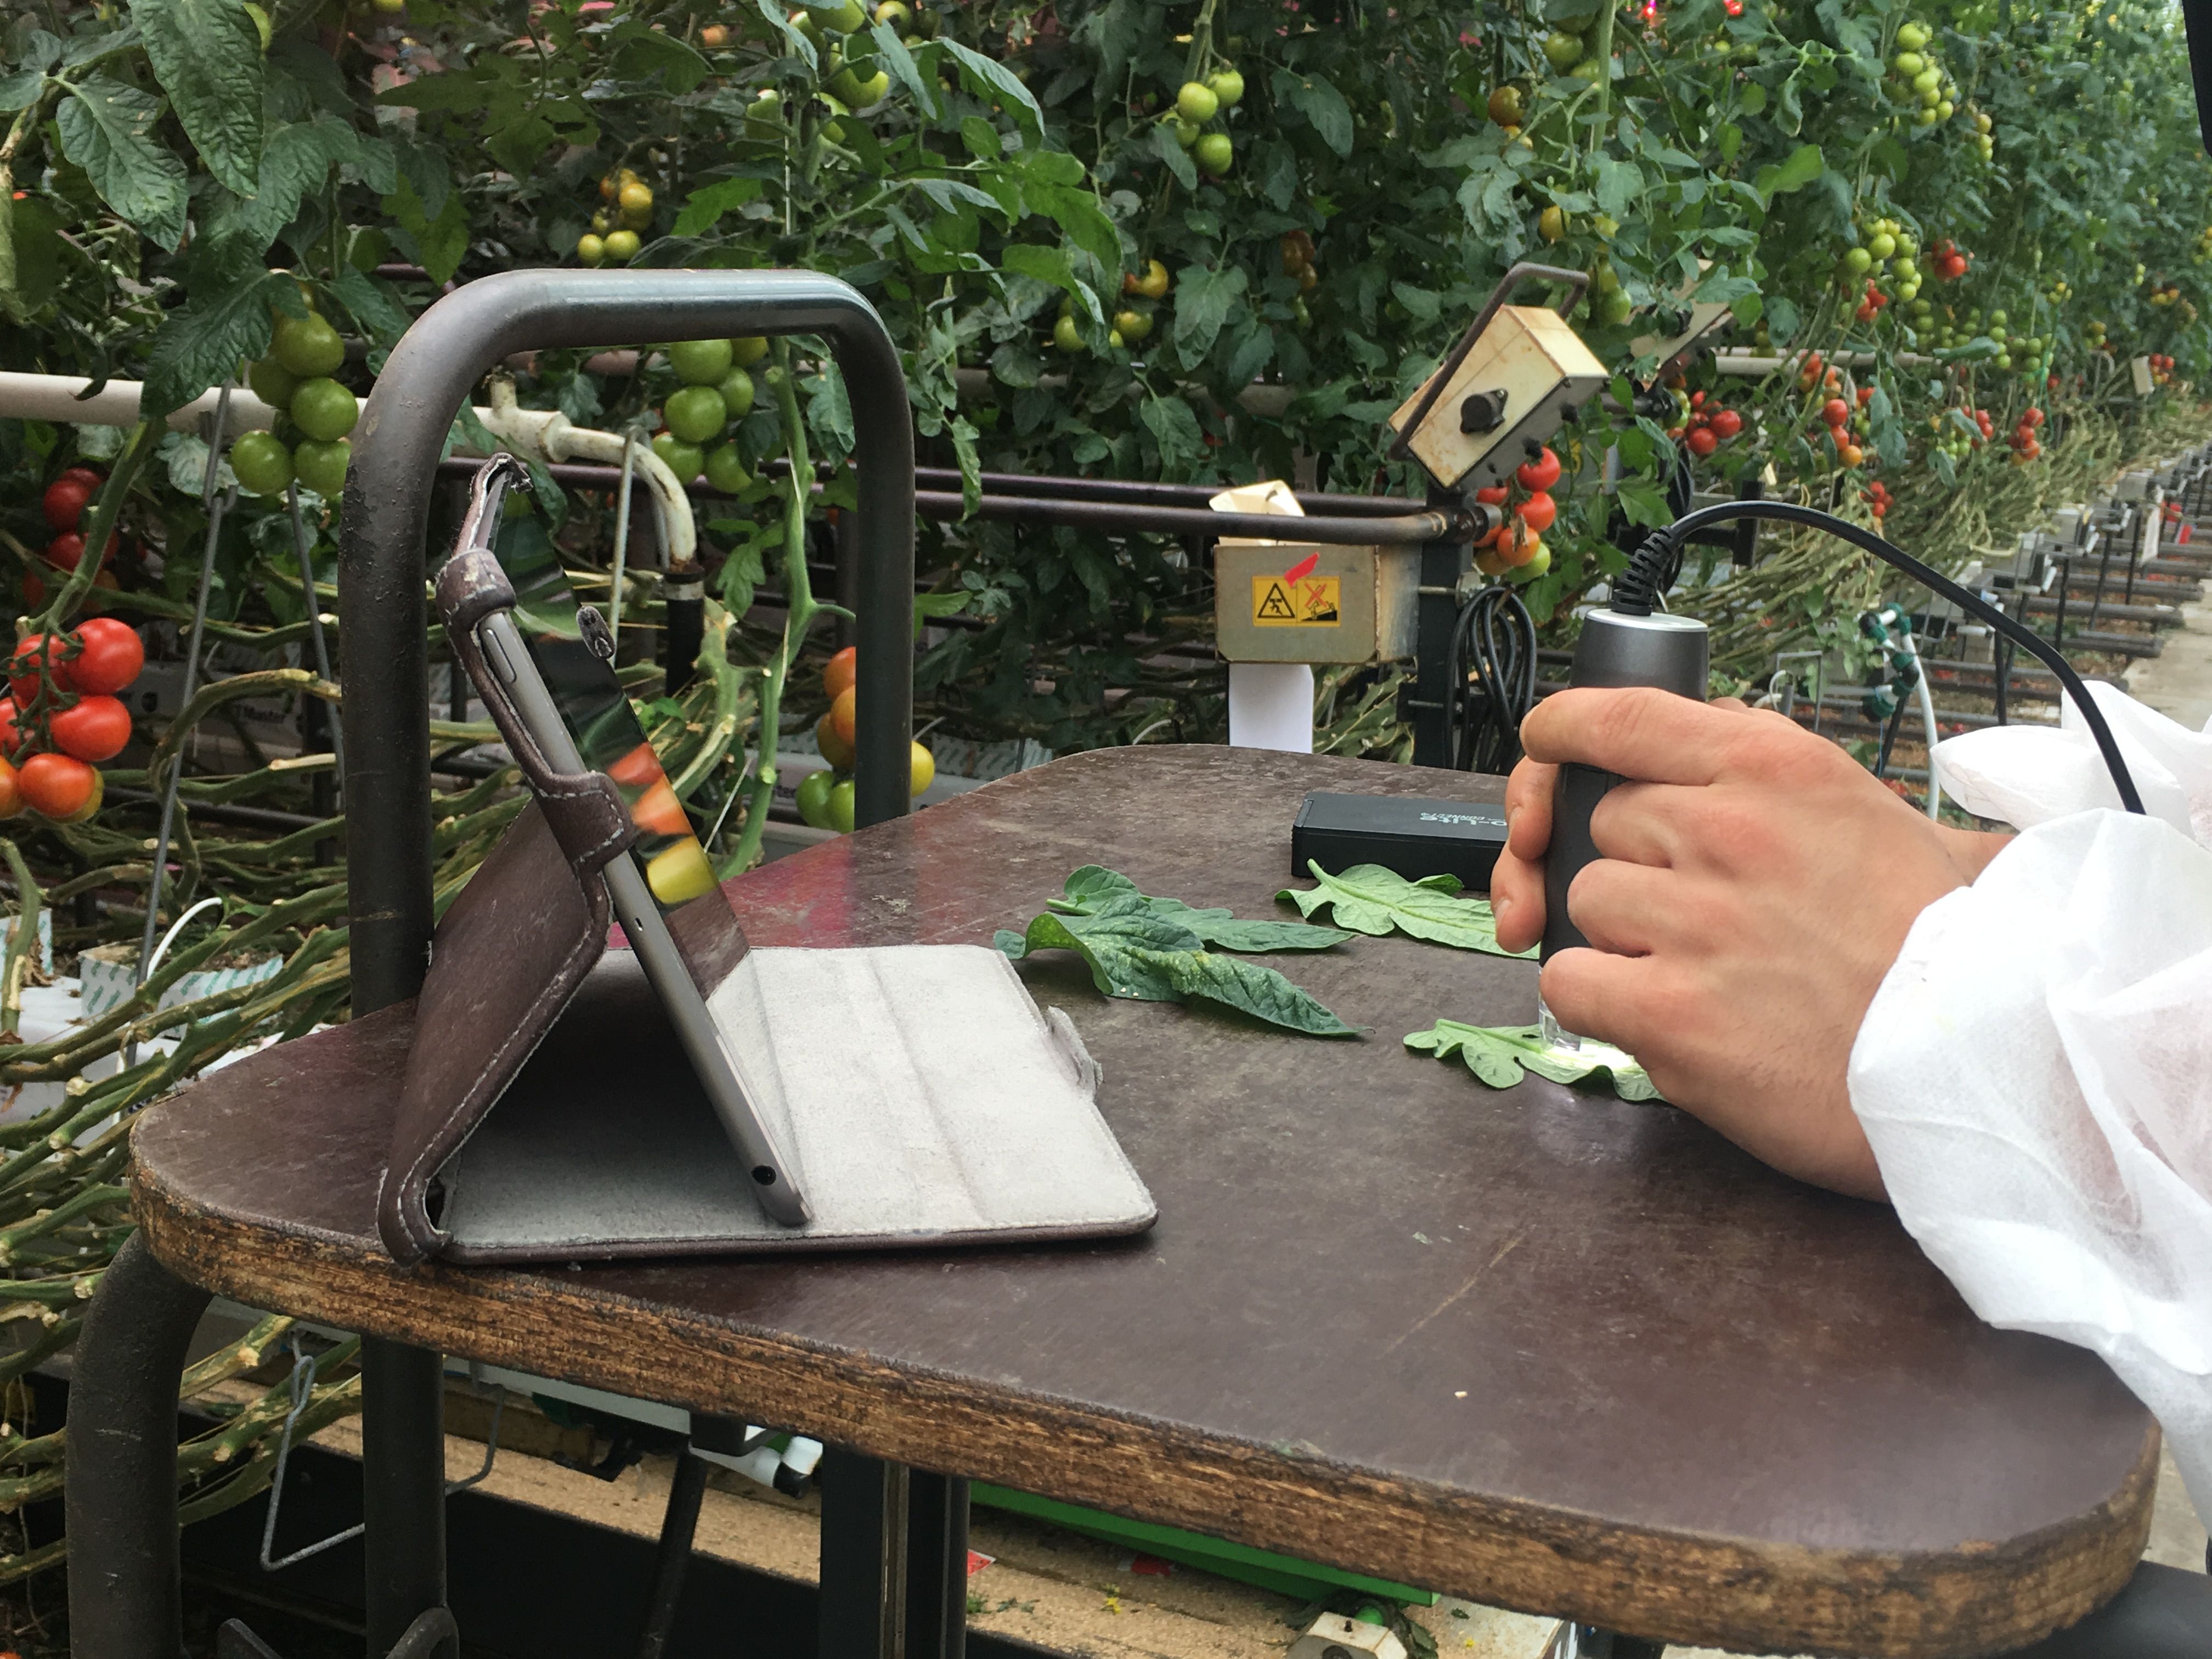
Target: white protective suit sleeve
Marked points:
2035	1073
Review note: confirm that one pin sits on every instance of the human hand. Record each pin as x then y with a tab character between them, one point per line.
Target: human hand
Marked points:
1751	897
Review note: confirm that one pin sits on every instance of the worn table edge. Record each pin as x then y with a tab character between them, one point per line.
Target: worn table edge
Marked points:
1984	1598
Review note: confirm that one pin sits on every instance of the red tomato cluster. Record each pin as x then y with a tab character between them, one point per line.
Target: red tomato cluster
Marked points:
1809	373
1872	302
1708	428
1518	544
61	716
1878	499
2161	368
1836	416
2026	445
1948	262
1980	417
66	500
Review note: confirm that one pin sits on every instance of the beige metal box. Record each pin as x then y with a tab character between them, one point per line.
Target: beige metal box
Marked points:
1517	382
1294	601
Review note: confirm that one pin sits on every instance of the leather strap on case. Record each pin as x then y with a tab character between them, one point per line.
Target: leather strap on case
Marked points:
584	809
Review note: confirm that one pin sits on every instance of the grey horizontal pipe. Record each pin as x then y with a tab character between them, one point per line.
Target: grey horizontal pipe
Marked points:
1401	529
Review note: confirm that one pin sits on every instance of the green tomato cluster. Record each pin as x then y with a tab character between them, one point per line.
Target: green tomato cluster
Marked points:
314	412
717	390
1197	103
1568	49
1917	79
1886	251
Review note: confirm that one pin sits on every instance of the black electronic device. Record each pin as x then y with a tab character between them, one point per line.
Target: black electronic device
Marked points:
1406	834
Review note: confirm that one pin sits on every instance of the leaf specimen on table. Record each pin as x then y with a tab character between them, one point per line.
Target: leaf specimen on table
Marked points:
1368	899
1151	950
1498	1054
1094	886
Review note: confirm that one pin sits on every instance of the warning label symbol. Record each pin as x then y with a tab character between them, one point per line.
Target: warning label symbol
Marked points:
1309	602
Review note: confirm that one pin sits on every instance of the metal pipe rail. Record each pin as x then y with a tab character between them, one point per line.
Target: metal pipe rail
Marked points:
1092	503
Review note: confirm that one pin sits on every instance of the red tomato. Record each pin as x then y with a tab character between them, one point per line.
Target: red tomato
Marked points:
93	728
1538	512
1866	396
1539	474
1835	411
109	655
657	811
1697	400
65	502
1852	455
63	551
55	785
90	475
51	649
1727	423
11	797
2033	417
10	738
845	715
1491	495
640	769
1702	441
842	672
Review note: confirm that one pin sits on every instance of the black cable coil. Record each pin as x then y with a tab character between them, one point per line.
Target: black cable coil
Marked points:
1490	680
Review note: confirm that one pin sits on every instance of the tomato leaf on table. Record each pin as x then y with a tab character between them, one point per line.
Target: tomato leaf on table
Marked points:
1370	899
1094	886
1499	1055
1136	953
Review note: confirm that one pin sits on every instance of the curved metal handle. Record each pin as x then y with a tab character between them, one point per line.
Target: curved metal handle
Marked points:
1577	281
381	549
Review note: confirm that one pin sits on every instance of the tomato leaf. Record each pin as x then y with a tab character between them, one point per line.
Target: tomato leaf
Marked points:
1802	168
1500	1055
202	345
991	81
1368	899
1320	103
1172	152
107	128
207	55
1148	950
1094	889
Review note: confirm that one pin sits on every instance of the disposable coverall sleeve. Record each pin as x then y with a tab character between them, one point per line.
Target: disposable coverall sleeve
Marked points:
2035	1077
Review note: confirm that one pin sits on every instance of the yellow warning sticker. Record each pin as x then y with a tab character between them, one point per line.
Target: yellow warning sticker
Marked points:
1309	602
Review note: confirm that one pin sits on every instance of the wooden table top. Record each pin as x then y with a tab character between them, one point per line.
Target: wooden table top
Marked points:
1539	1347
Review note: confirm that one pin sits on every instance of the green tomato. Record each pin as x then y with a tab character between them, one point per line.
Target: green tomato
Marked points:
1908	65
322	466
1591	70
262	463
1067	336
1880	245
272	382
308	346
1214	154
1228	86
696	415
726	469
814	790
840	806
748	349
1912	36
623	246
1186	133
324	410
686	460
737	391
1197	102
1997	318
1615	308
700	362
1857	261
764	118
591	250
1562	49
844	18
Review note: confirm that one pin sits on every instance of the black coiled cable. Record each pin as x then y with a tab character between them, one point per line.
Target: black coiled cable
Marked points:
1652	567
1490	676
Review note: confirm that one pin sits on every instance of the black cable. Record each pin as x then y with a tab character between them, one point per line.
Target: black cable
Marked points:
1496	638
1638	589
1889	739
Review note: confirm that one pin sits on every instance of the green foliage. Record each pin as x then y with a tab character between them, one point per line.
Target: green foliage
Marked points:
1370	899
1499	1055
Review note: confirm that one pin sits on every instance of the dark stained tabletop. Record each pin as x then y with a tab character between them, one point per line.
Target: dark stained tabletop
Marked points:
1539	1347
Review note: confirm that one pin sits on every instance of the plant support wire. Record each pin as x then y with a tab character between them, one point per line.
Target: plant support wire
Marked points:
305	544
215	510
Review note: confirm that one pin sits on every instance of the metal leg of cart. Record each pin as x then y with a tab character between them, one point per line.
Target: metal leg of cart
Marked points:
671	1561
121	1498
403	1466
894	1560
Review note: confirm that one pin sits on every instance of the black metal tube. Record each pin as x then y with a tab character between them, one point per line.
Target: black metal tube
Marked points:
683	591
937	1566
402	1462
381	562
671	1556
125	1601
1160	494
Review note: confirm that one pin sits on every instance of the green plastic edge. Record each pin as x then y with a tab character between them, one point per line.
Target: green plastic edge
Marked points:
1286	1575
